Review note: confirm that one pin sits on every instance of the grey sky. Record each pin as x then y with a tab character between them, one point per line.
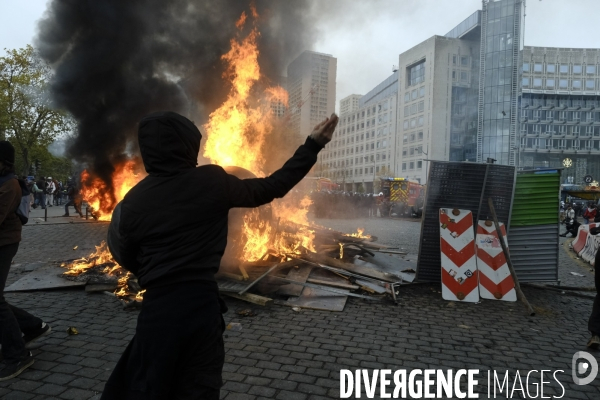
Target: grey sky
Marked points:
367	36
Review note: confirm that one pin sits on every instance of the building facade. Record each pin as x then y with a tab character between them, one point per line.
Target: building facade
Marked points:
349	104
475	94
559	120
363	147
311	80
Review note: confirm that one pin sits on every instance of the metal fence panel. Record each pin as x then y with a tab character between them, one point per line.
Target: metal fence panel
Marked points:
534	252
460	185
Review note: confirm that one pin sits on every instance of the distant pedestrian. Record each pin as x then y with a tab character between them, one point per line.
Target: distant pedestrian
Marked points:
41	194
18	328
50	189
74	199
589	214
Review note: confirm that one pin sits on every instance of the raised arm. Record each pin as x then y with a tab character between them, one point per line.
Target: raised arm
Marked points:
259	191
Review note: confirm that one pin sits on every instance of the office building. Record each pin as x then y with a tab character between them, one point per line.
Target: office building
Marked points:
363	147
560	111
349	104
478	94
311	80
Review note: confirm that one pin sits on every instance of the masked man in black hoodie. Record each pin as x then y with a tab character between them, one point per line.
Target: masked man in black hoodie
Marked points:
177	351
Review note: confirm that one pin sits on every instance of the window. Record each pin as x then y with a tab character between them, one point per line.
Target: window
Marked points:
411	151
590	84
551	68
564	68
420	136
577	69
537	82
404	152
406	97
421	120
411	165
414	94
563	83
590	69
413	122
463	76
576	84
422	91
405	139
550	83
405	125
419	164
416	74
421	106
412	137
464	61
525	81
403	166
525	67
454	59
537	67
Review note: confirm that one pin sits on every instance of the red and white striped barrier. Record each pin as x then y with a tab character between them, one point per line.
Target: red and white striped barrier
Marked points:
588	253
495	280
459	263
582	234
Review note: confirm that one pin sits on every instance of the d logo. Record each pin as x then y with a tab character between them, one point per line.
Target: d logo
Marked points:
583	366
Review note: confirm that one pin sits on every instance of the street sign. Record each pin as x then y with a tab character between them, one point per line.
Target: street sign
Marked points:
588	179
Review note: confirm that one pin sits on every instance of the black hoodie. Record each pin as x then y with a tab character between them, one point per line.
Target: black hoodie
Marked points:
173	224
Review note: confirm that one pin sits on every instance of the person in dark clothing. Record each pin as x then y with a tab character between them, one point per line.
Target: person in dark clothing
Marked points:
17	327
572	228
74	200
177	351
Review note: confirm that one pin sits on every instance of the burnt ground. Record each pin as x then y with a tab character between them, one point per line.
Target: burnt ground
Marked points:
283	354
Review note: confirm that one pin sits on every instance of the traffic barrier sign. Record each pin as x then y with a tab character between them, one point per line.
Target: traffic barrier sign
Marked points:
495	280
459	263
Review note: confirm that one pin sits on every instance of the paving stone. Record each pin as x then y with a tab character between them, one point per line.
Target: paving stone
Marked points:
283	354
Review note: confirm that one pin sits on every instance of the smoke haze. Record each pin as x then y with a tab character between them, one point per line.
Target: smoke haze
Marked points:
116	61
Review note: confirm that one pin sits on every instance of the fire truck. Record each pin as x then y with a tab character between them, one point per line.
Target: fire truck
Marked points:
401	197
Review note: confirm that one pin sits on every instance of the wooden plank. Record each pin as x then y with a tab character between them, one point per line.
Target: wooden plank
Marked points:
316	299
251	298
324	277
46	277
300	275
357	269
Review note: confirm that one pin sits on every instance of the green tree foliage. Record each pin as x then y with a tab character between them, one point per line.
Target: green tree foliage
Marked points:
27	118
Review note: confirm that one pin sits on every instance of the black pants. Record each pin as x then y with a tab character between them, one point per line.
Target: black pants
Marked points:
76	204
177	351
13	320
594	322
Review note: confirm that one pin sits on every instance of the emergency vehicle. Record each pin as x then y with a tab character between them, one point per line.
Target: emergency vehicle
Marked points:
401	197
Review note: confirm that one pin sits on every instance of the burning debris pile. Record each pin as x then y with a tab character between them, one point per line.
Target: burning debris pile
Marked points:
339	266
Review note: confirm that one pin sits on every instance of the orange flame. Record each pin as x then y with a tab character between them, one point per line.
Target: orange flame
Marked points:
102	198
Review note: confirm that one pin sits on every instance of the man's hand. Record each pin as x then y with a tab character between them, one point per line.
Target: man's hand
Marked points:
323	132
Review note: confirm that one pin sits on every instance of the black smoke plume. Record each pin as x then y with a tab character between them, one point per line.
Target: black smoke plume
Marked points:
116	61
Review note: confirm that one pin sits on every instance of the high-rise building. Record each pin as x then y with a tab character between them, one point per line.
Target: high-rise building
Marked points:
311	80
349	103
559	120
476	94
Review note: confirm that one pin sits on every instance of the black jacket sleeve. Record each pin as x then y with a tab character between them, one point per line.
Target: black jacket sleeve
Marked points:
122	247
258	191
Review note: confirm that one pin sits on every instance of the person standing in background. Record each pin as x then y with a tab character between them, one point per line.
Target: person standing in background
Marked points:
50	189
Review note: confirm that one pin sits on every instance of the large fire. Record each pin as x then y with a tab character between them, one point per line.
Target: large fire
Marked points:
237	135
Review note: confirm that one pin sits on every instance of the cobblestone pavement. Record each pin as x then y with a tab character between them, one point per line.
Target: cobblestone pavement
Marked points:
283	354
